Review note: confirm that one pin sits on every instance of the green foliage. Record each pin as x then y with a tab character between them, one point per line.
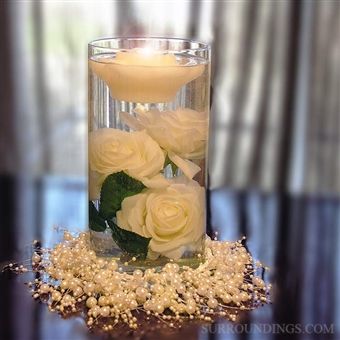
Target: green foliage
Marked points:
130	242
114	189
96	222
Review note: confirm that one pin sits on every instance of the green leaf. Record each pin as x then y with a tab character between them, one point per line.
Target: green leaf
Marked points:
96	222
130	242
167	162
114	189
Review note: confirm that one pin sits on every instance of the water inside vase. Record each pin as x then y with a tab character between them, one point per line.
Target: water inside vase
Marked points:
147	160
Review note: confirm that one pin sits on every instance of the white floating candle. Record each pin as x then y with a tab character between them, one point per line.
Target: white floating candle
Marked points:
144	76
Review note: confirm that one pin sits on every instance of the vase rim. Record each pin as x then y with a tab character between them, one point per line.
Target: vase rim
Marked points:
198	45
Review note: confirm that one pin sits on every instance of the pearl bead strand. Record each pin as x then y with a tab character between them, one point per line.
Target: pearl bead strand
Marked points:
73	277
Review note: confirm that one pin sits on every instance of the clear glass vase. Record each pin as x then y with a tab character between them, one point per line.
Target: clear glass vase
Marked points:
148	135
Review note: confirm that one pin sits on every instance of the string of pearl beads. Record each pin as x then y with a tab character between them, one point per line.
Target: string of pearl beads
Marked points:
74	278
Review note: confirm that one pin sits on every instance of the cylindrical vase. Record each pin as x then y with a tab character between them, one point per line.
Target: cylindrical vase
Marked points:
148	101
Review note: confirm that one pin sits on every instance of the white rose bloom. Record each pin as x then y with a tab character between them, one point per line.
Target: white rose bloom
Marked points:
174	218
183	133
135	153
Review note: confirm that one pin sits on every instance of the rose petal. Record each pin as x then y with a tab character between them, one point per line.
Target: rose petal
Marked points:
152	255
156	182
189	168
175	254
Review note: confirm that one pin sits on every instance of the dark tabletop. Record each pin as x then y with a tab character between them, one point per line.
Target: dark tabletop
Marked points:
298	237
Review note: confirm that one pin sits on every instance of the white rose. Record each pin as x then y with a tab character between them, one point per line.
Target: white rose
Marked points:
183	133
135	153
174	218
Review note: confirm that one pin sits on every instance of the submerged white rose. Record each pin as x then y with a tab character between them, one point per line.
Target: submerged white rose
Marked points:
173	217
135	153
183	133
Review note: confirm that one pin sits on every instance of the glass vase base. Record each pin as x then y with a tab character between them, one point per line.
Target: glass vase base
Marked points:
103	245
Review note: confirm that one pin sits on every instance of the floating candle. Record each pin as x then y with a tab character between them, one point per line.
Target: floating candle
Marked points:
145	57
145	76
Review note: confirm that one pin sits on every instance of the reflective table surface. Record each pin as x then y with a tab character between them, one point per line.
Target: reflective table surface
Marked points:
297	237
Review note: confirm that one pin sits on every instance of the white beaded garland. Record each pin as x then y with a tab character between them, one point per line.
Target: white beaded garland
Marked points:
226	278
44	288
91	302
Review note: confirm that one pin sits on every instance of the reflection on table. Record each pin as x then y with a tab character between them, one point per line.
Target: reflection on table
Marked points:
297	237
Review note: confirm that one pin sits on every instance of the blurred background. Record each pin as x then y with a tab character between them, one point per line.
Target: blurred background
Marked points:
274	146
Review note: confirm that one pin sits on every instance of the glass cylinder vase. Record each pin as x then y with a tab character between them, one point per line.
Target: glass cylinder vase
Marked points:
148	101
